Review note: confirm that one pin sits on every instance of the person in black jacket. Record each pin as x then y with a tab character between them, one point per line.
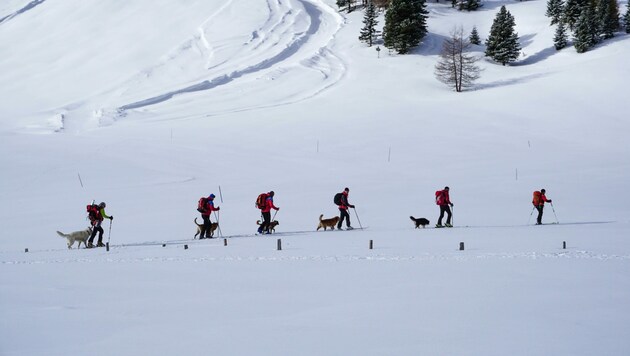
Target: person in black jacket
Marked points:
343	210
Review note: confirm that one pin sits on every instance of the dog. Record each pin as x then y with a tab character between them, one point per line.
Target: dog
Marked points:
272	225
81	236
213	226
419	222
327	223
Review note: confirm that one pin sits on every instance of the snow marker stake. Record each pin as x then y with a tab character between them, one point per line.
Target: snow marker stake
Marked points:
461	246
371	244
224	242
279	245
564	245
185	247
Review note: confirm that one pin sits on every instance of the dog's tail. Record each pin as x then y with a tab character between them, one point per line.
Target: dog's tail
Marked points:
257	222
61	234
412	218
196	223
321	217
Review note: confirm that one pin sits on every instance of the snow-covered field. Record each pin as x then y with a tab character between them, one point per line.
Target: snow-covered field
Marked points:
149	105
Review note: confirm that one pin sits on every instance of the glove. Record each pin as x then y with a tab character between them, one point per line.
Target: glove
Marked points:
218	208
277	209
452	204
549	200
352	206
111	217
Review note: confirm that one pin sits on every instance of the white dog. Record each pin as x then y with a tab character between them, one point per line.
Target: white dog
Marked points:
81	236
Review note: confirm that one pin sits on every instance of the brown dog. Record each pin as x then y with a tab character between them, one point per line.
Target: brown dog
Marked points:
272	225
213	226
327	223
419	222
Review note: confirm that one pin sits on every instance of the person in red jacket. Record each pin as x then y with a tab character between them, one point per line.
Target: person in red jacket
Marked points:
444	201
539	203
343	210
208	208
266	213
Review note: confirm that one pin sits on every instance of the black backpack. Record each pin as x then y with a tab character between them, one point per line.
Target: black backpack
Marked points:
337	199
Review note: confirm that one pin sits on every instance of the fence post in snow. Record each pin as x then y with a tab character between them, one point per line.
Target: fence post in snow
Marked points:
185	247
461	246
279	245
224	242
107	246
371	244
26	250
564	245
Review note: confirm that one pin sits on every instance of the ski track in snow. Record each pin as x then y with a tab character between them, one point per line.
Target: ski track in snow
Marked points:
26	8
462	257
278	43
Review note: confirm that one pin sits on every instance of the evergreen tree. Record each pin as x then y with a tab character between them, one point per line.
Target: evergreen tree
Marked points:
348	3
626	18
572	12
368	32
405	24
502	43
560	39
474	37
555	9
583	36
469	5
608	15
456	67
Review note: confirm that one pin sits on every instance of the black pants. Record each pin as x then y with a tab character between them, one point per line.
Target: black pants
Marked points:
96	227
445	209
343	214
266	222
205	229
540	214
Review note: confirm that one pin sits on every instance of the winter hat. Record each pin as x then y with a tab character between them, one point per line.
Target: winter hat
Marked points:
102	204
271	193
211	196
346	189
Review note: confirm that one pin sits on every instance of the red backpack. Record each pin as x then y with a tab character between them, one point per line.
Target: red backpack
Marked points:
261	201
536	198
93	211
201	205
439	197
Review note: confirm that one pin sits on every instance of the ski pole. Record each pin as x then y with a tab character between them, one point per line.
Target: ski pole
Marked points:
554	213
216	216
452	215
530	215
274	216
110	231
358	220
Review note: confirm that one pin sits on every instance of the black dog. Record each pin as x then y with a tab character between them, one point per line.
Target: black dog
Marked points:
419	222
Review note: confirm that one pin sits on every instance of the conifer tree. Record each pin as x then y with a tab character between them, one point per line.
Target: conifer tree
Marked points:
405	24
560	39
474	36
608	15
455	67
555	9
502	43
572	12
469	5
368	32
583	36
626	18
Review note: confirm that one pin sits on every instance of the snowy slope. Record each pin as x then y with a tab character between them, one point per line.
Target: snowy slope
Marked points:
151	104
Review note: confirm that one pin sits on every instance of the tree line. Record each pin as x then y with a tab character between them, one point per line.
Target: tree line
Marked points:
591	21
